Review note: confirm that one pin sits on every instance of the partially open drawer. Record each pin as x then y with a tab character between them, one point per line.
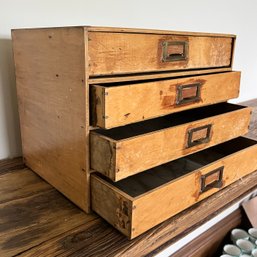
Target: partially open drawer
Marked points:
142	201
121	152
119	104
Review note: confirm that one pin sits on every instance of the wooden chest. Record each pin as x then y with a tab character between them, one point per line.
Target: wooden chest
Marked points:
131	123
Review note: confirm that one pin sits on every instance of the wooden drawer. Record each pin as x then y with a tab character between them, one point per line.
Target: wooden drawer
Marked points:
123	53
137	203
118	104
124	151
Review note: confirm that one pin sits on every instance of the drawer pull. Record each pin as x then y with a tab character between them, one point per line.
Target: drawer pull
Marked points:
212	179
188	93
174	51
200	135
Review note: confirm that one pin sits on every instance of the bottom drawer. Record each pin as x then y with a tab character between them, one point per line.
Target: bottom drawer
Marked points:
138	203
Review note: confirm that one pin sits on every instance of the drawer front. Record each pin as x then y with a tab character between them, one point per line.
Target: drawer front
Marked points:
124	53
114	106
128	155
133	215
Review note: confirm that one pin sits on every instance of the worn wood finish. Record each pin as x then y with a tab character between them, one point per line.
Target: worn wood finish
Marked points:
124	53
152	76
32	211
24	182
53	66
53	107
138	214
8	165
155	31
118	105
95	237
125	151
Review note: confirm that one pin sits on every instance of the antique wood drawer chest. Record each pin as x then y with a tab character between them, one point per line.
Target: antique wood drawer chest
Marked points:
133	124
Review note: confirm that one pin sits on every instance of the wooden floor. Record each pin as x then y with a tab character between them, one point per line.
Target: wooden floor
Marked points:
36	220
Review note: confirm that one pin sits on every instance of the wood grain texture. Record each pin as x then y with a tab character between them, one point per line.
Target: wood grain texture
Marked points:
141	31
147	209
32	211
153	76
120	105
155	31
118	159
7	165
112	204
97	238
53	107
124	53
23	181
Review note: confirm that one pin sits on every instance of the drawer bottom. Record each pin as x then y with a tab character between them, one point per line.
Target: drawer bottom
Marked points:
138	203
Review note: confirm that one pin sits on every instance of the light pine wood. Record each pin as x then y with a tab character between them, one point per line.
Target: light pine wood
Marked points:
124	53
156	31
52	92
115	105
152	76
53	66
128	155
151	208
141	31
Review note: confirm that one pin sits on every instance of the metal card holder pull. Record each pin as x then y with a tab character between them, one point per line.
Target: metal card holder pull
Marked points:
212	179
200	135
189	93
173	51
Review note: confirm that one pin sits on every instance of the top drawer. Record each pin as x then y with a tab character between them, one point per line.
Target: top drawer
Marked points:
113	53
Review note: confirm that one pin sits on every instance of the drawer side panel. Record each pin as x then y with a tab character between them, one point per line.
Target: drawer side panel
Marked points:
111	205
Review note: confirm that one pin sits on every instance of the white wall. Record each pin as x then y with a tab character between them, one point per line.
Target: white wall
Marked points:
231	16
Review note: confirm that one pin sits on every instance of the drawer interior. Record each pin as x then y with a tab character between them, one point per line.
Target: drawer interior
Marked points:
168	121
153	178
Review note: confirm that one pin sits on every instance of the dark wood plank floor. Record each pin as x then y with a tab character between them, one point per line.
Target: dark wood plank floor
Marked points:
36	220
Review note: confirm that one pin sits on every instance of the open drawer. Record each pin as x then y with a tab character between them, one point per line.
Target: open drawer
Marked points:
119	104
121	152
142	201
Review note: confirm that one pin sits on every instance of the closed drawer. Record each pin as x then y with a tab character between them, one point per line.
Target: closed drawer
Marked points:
124	53
142	201
117	104
121	152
